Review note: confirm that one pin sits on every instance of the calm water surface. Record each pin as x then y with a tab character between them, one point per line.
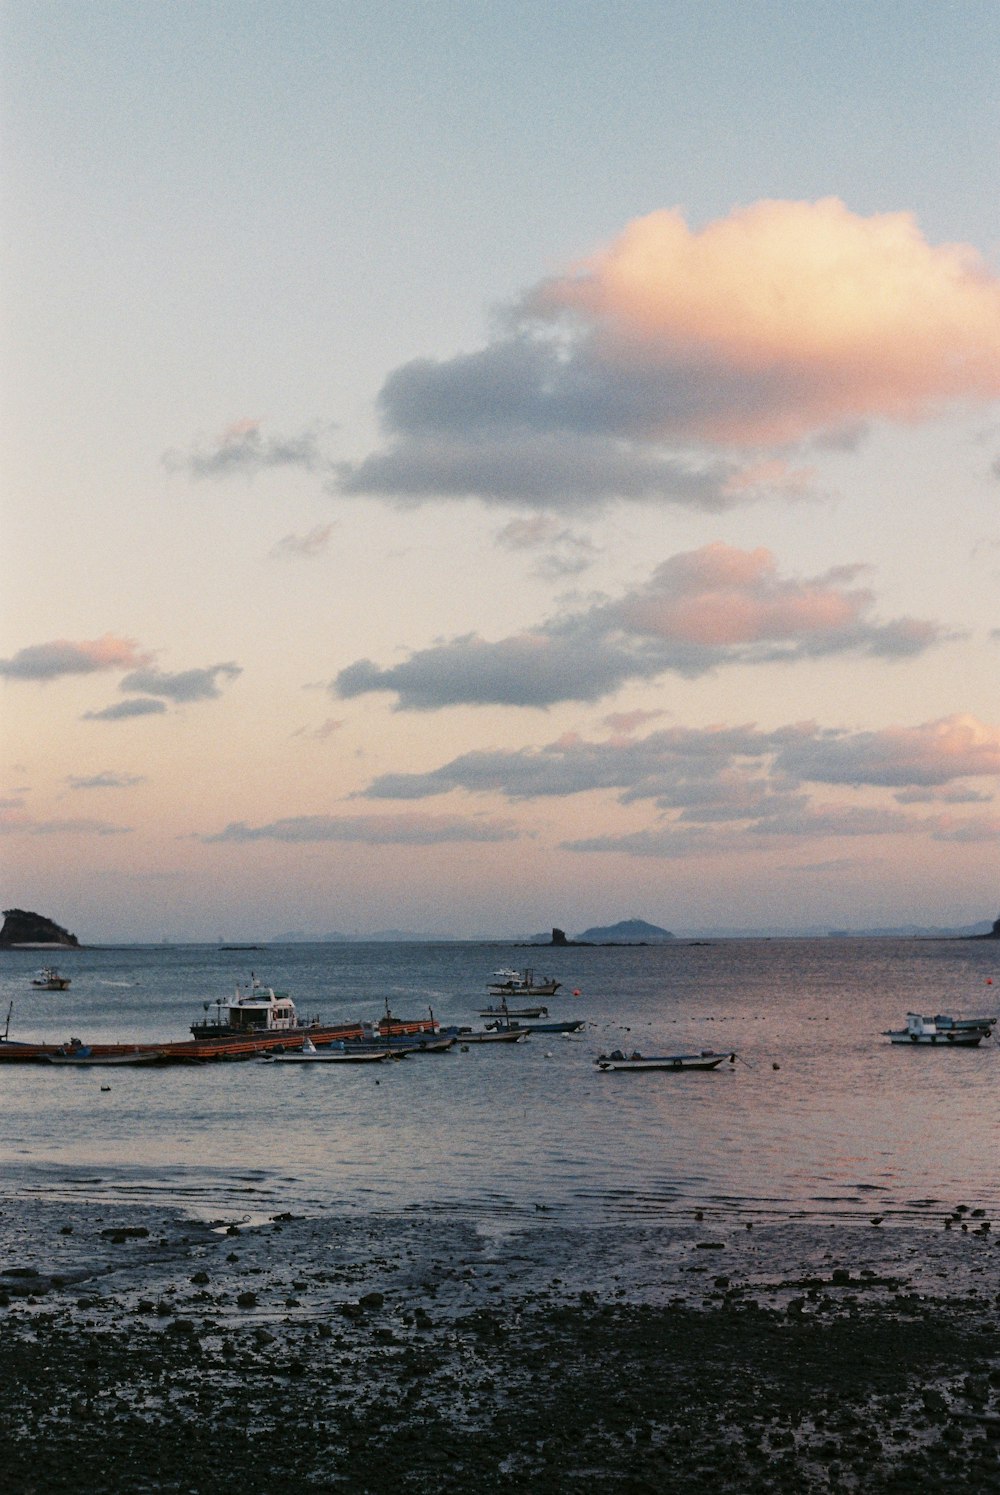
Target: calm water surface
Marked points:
820	1115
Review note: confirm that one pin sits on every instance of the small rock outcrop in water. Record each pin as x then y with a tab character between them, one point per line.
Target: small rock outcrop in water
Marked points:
23	928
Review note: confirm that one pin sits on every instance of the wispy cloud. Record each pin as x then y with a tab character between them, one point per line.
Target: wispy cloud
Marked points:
302	547
323	731
125	710
699	611
106	780
373	830
183	686
628	722
243	450
18	823
739	788
970	830
51	661
563	551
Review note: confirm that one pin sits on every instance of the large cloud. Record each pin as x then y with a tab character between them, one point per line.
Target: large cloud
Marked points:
372	830
699	610
63	657
783	322
740	780
933	753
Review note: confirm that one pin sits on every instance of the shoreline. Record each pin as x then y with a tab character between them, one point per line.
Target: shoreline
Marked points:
145	1351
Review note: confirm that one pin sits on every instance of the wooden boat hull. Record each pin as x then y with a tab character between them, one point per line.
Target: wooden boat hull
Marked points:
78	1061
416	1043
495	1035
571	1025
331	1056
537	989
669	1063
515	1012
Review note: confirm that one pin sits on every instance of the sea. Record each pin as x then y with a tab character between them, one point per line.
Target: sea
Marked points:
818	1117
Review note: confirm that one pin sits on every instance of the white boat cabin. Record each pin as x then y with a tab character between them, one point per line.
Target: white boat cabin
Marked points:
257	1009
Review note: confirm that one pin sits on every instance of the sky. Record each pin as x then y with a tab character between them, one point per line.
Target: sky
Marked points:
469	469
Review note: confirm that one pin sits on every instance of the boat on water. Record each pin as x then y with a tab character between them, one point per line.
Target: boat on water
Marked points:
942	1031
253	1009
334	1053
510	983
81	1054
706	1059
515	1012
371	1040
496	1034
49	979
508	1020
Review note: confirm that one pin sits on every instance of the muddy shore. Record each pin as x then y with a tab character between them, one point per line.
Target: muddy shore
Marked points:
143	1352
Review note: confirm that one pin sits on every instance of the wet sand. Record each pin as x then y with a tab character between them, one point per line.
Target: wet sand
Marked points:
143	1352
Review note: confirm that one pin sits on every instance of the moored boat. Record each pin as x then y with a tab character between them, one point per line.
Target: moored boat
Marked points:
49	979
617	1060
81	1054
567	1025
942	1031
515	1012
253	1009
510	983
334	1053
496	1034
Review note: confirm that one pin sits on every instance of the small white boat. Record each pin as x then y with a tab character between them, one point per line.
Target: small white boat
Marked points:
706	1059
335	1054
510	1034
49	979
942	1031
83	1058
509	983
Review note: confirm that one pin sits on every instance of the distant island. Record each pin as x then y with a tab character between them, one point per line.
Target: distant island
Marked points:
22	929
625	932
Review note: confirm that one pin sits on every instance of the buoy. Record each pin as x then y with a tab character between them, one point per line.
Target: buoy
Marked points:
576	991
989	981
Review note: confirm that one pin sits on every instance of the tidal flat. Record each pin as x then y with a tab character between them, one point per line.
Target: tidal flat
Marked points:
143	1351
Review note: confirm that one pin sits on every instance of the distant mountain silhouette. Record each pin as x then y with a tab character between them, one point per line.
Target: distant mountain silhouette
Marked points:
626	932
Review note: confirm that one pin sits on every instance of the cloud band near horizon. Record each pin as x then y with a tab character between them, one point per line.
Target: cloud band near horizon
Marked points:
699	611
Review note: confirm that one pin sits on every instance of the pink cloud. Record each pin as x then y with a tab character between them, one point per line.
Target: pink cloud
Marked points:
932	753
720	595
64	657
625	723
786	319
